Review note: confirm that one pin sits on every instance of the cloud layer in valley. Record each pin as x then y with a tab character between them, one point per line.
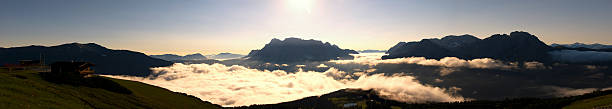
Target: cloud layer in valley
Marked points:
565	91
238	86
483	63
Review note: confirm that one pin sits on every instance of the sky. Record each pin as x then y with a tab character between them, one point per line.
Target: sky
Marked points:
238	26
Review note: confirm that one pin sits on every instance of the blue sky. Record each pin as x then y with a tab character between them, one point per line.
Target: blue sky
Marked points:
213	26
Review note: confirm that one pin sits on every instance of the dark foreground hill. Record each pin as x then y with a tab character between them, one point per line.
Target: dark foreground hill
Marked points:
518	46
107	61
298	50
362	99
27	89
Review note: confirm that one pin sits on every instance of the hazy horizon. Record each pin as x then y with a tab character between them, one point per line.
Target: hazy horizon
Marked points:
238	26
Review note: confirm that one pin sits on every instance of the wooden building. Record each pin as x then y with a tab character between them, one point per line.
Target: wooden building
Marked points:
79	69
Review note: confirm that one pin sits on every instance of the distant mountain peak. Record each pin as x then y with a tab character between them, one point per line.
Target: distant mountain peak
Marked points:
195	54
173	57
108	61
224	56
297	49
90	46
275	41
454	37
224	53
583	45
517	46
372	51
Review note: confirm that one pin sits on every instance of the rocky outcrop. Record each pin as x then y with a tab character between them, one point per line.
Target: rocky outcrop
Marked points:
518	46
297	50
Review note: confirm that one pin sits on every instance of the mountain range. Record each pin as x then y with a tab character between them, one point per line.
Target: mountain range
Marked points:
107	61
582	45
223	56
372	51
518	46
173	57
297	50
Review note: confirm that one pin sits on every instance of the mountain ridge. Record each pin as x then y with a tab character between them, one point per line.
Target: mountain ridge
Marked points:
29	89
108	61
518	46
174	57
296	50
583	45
225	55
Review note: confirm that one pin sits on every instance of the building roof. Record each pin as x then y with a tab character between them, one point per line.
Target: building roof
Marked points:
78	64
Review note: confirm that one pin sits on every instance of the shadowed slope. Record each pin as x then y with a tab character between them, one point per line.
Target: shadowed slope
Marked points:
26	89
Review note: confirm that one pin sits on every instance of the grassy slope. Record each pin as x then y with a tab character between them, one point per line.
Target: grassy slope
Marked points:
591	103
369	99
26	89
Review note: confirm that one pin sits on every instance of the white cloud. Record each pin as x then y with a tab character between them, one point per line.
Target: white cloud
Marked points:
322	66
374	59
445	71
534	65
565	91
404	88
239	86
438	80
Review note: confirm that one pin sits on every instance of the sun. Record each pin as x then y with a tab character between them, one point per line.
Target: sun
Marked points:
300	5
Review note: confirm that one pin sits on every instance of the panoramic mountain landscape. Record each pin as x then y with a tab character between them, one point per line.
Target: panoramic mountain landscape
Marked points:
305	54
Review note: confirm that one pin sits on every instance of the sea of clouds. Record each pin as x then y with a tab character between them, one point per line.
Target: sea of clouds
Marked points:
449	62
239	86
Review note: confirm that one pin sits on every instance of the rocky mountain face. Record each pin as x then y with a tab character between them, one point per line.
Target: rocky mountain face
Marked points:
296	50
518	46
173	57
107	61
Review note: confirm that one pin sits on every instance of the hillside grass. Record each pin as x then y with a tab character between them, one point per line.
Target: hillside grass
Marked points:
27	89
601	101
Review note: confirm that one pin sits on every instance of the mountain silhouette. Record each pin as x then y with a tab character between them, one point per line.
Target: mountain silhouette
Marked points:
107	61
582	45
224	56
173	57
372	51
518	46
296	50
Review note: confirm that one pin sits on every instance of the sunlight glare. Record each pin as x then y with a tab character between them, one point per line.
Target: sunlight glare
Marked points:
301	5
